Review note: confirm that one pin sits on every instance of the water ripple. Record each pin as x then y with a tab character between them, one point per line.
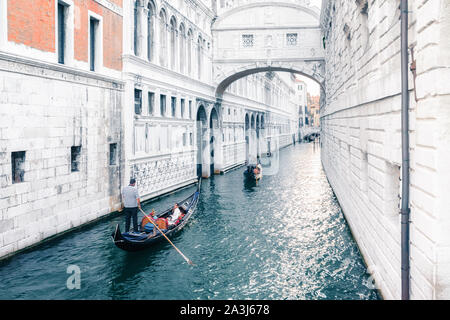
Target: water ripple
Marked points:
285	238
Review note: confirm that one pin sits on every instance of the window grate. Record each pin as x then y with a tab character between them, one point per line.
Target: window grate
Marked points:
17	163
247	40
75	153
291	39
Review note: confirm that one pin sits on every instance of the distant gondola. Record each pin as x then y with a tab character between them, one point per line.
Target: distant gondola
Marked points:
249	174
139	241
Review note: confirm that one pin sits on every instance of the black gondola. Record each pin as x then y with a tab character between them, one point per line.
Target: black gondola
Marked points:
139	241
249	174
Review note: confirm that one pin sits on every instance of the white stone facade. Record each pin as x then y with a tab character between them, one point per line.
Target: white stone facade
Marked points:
71	138
361	144
163	149
255	36
45	109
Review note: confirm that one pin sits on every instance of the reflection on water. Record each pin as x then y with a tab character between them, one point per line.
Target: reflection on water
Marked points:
282	238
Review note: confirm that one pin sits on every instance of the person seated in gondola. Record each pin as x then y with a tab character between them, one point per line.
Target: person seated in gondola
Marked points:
146	224
162	224
174	218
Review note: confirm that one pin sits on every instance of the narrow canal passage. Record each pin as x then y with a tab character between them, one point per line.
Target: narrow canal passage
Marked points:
285	238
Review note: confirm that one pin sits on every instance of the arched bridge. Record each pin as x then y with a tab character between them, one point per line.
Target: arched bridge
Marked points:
284	36
309	133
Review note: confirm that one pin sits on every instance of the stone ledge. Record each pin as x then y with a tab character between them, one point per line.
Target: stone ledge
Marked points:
31	67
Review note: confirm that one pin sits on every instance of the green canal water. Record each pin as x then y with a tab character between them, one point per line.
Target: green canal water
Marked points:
285	238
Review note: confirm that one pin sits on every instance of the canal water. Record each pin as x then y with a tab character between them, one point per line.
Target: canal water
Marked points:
283	238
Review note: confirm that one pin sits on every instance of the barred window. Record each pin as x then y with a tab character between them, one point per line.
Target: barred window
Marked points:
75	155
247	40
18	167
291	39
112	154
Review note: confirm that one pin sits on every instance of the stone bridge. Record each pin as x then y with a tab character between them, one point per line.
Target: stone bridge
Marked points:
284	36
308	131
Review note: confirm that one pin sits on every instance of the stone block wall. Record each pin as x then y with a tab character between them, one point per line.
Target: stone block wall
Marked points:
45	110
361	137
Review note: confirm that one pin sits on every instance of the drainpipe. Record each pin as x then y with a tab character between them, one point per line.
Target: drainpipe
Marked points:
405	210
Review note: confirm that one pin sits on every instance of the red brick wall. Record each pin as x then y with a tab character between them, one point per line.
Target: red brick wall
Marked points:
117	2
112	40
32	23
112	33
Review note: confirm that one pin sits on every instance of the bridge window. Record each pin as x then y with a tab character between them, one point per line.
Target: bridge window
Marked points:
247	40
291	39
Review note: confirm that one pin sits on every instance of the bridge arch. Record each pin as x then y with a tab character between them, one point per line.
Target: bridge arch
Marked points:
267	36
312	70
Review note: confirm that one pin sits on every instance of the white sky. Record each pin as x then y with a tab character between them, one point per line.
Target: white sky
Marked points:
312	87
317	3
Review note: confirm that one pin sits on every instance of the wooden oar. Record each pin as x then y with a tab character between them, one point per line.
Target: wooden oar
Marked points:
181	253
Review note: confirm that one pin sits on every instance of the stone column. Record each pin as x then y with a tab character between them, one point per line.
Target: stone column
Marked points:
218	151
206	154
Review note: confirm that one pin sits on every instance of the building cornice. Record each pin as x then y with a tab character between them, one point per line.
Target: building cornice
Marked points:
59	72
111	6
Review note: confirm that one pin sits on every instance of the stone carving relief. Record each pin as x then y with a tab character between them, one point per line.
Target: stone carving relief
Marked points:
154	175
269	17
268	41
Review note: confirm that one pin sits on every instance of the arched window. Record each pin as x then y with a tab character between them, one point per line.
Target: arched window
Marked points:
189	51
182	48
162	38
150	30
199	57
135	29
173	43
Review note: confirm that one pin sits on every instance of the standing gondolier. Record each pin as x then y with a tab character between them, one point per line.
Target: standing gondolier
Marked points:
131	203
